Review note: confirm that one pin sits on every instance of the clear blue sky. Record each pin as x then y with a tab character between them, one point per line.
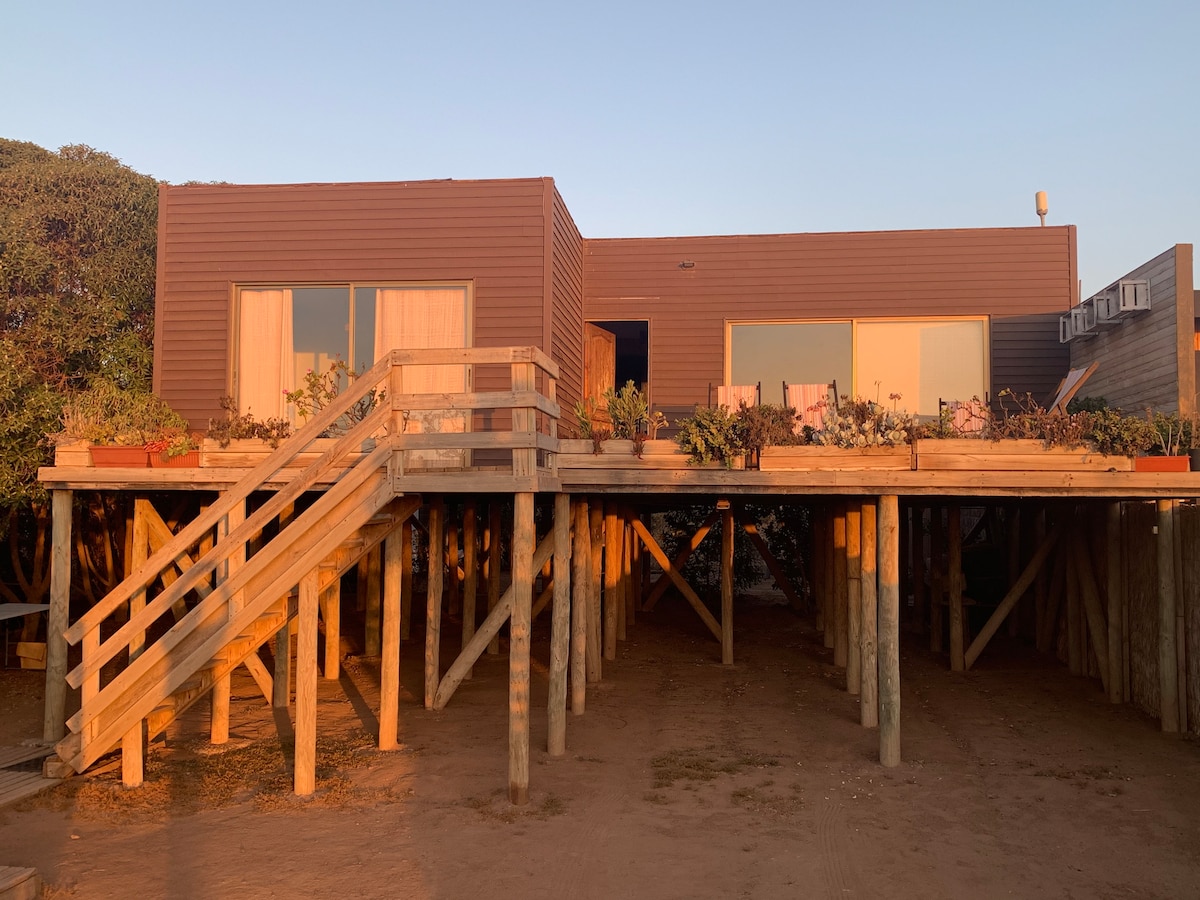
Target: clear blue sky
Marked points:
654	118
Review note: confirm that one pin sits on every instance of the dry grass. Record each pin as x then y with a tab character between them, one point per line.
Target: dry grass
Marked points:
704	765
494	807
198	776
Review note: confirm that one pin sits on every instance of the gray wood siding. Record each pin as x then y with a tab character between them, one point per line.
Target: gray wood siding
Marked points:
567	303
1023	277
211	237
1148	360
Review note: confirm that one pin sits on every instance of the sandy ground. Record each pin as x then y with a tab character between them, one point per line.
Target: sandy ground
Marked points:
683	779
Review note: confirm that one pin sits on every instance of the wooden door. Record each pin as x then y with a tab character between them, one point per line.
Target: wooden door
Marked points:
599	368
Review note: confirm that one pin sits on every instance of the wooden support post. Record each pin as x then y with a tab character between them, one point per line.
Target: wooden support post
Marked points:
406	579
454	599
493	563
628	591
612	579
841	587
518	649
889	630
869	699
389	665
581	579
133	744
1076	661
223	687
595	635
726	583
1014	564
853	598
372	640
54	713
433	600
1168	685
816	582
622	579
281	690
470	573
560	629
1041	583
829	592
635	591
331	610
920	593
955	576
1014	593
306	686
1093	610
937	580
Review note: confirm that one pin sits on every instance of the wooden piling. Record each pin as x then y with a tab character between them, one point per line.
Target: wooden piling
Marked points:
869	652
470	566
560	629
955	573
495	577
389	667
54	712
306	686
727	584
406	579
853	598
223	687
595	639
453	597
331	609
433	599
1168	685
613	542
518	649
889	630
829	587
581	579
840	586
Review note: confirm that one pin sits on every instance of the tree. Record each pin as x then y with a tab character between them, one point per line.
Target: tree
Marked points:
77	244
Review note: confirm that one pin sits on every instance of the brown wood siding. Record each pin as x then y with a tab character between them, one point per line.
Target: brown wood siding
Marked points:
1020	276
567	303
1148	360
491	233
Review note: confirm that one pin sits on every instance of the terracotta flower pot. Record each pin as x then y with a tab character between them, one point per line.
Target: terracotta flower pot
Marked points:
1161	464
189	460
120	457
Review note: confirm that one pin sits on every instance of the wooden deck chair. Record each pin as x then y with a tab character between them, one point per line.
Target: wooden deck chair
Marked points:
1069	387
810	402
966	416
734	395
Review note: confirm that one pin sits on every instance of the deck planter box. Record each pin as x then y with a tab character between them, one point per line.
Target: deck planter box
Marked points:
815	458
1161	464
618	454
978	455
249	452
120	457
189	460
74	454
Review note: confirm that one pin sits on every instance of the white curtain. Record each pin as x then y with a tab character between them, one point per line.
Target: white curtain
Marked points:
265	367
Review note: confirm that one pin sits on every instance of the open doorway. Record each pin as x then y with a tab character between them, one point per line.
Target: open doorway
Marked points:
631	354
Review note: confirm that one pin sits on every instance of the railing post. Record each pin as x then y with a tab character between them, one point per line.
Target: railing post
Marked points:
54	714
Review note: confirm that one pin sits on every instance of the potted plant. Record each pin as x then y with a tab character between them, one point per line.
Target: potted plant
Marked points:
1171	435
712	435
174	449
117	422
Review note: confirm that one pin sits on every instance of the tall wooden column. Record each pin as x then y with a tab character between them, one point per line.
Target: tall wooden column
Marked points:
305	771
406	579
955	576
54	713
595	640
133	744
581	579
869	699
726	582
560	629
433	599
853	597
889	631
518	649
829	578
470	538
331	610
495	577
1168	685
613	543
222	687
840	587
389	665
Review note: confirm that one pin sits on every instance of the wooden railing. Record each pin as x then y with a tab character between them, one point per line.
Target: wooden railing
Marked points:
245	589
